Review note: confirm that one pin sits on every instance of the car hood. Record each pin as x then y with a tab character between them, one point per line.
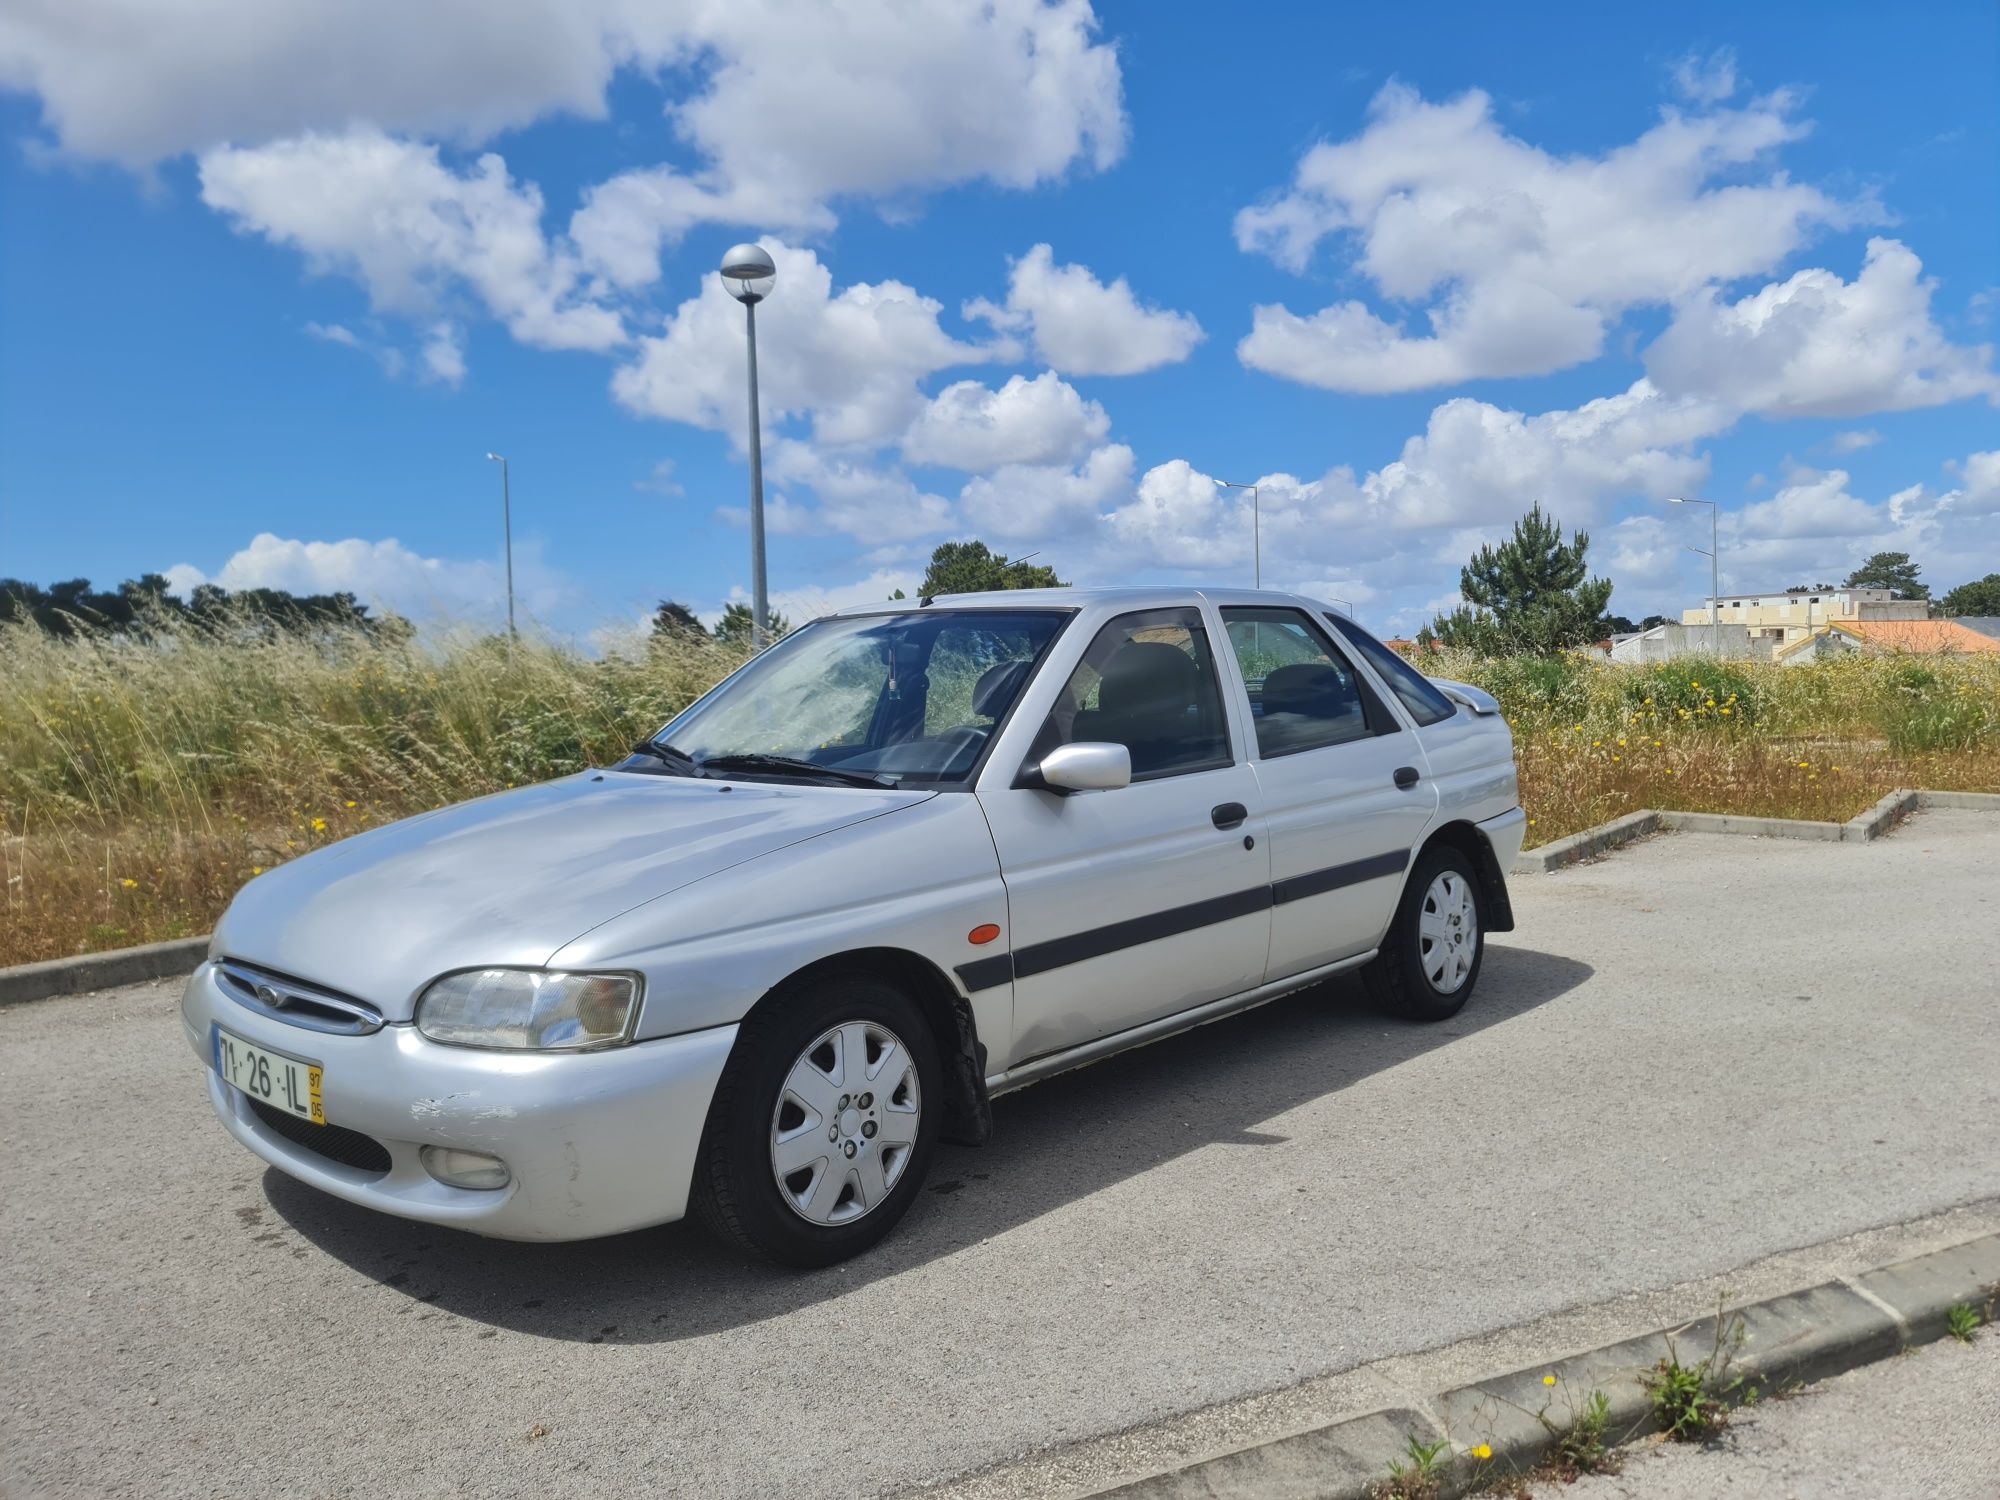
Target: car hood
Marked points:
509	879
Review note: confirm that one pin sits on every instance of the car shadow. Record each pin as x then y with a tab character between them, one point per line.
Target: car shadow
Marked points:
1213	1085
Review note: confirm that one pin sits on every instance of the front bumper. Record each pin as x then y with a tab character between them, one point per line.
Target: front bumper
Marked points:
596	1142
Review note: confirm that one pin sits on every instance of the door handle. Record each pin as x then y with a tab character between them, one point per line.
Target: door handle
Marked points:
1228	814
1406	777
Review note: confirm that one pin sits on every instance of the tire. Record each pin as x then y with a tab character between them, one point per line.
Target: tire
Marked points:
792	1085
1410	976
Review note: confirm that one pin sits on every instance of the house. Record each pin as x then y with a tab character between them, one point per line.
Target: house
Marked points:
1779	618
1910	637
1984	624
1665	642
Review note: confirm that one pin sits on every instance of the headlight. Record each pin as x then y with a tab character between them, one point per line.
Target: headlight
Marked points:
529	1008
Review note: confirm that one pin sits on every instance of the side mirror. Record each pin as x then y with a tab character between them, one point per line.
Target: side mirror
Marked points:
1087	766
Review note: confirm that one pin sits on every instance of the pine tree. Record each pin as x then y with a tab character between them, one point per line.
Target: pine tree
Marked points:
974	568
1531	594
1889	570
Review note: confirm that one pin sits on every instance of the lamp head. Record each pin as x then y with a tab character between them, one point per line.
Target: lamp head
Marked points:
748	272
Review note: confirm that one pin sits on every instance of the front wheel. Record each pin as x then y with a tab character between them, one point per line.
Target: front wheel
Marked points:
823	1123
1430	959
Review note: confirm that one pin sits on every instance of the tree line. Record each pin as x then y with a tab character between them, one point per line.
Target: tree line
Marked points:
143	604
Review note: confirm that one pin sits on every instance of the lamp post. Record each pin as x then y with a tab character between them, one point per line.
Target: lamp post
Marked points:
749	273
1256	531
1714	568
507	531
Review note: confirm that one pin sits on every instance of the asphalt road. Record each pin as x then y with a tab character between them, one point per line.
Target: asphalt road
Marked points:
1921	1425
1700	1051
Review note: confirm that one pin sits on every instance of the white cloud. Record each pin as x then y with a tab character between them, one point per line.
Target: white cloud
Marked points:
661	481
1815	345
1814	503
1706	80
974	427
805	105
386	574
1080	326
869	98
392	215
1041	502
1978	491
334	333
1519	260
1854	440
852	497
850	362
444	354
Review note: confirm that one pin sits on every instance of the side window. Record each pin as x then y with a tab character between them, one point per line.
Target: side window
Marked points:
1303	693
1148	683
1425	703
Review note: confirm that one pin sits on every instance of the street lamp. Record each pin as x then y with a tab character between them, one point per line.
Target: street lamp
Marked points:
1714	568
507	530
1256	531
748	272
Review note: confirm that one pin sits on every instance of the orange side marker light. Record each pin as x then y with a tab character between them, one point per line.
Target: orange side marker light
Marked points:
985	932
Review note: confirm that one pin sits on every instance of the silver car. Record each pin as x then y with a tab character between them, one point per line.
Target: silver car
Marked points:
911	857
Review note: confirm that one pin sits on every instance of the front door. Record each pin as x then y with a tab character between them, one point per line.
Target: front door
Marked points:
1125	906
1341	781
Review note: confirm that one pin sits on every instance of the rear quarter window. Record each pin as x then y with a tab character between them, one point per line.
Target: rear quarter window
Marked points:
1426	704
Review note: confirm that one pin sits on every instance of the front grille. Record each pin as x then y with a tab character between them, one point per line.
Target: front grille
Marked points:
296	1002
335	1142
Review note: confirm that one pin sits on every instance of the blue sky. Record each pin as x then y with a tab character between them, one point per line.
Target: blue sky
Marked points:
267	304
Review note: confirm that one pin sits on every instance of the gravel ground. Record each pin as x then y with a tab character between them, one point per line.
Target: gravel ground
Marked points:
1921	1425
1698	1052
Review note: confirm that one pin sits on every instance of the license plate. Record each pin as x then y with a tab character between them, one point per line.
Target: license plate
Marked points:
286	1083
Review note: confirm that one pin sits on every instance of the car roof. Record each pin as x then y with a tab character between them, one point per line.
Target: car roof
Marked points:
1142	597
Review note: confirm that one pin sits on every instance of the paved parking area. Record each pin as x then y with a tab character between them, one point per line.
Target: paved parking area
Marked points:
1700	1051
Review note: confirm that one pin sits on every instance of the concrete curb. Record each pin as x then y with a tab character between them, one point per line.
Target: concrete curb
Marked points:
1859	829
1791	1339
99	971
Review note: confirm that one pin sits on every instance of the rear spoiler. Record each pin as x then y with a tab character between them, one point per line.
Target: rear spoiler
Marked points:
1478	700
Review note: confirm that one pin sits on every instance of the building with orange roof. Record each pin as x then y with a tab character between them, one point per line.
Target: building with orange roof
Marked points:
1911	637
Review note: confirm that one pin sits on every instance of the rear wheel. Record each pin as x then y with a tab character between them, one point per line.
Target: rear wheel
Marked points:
1430	959
823	1124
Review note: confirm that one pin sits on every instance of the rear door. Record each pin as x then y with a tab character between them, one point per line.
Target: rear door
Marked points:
1341	777
1129	905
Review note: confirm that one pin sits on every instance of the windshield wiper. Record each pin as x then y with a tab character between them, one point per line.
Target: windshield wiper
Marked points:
788	765
662	751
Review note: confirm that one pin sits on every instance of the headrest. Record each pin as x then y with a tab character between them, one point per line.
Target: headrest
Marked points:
1147	674
996	688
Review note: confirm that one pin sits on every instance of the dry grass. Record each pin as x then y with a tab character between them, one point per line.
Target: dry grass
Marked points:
142	782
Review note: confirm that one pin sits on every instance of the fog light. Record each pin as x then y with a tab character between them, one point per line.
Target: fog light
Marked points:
464	1169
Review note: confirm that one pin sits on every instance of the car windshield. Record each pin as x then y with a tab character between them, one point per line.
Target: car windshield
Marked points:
910	697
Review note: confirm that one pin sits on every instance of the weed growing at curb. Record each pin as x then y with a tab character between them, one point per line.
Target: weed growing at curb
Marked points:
1961	1321
1418	1479
1691	1402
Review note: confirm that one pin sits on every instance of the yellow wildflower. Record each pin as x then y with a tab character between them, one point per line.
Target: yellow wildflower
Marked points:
353	804
1548	1380
1483	1452
130	885
256	869
319	825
